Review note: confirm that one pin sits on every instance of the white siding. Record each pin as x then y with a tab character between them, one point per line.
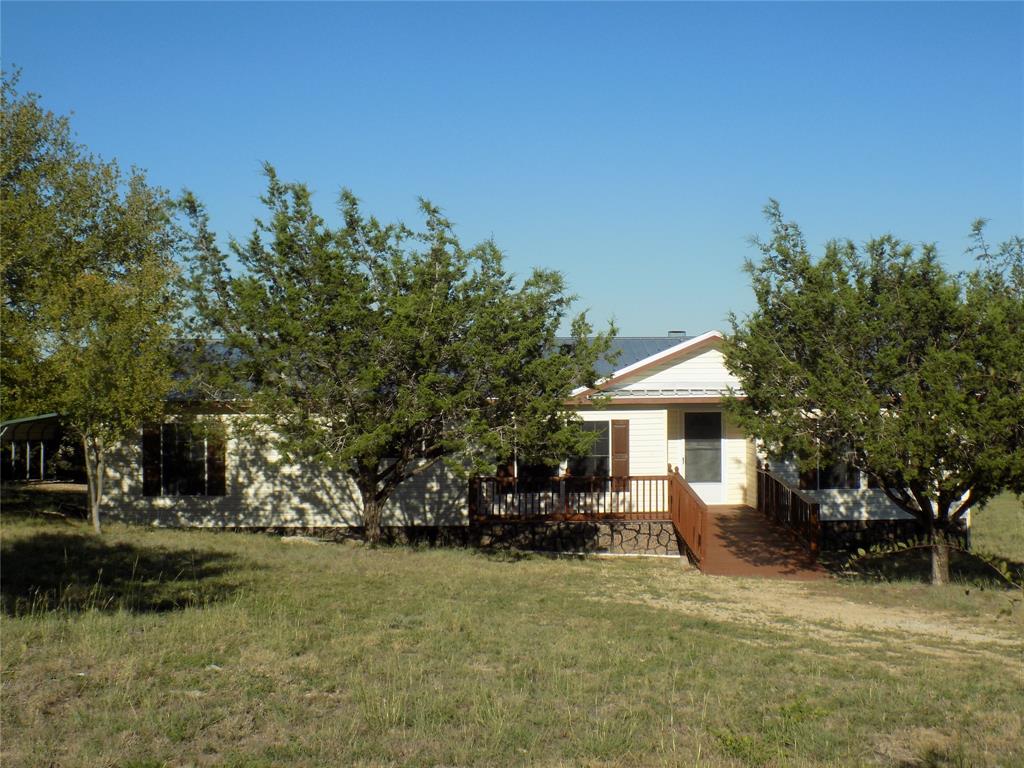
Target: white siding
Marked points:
843	503
262	492
676	443
704	368
751	495
735	446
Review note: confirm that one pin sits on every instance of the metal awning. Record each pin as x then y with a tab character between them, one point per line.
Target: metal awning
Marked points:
42	427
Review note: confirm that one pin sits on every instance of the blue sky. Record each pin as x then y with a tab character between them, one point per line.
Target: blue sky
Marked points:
631	146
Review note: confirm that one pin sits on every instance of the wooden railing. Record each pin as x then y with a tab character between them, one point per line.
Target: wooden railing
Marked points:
689	515
790	508
636	497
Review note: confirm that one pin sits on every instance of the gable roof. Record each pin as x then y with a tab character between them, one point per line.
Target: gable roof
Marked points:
670	354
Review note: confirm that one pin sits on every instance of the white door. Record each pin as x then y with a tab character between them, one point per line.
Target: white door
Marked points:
702	455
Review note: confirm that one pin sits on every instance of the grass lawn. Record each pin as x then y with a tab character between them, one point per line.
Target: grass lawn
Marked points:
999	527
184	648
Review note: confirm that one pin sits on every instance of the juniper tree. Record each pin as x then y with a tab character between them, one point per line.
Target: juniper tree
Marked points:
380	350
879	356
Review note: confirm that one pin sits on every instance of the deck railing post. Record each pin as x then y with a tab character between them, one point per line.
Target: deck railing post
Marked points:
474	497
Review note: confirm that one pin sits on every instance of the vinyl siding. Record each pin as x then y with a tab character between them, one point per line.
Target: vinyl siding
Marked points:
735	447
704	368
750	498
263	492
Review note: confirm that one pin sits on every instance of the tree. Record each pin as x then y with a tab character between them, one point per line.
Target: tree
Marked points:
379	350
880	357
89	300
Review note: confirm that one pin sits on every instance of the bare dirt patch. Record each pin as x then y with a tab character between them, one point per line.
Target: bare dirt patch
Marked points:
791	607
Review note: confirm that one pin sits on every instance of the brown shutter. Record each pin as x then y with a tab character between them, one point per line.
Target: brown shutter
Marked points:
216	461
151	460
620	447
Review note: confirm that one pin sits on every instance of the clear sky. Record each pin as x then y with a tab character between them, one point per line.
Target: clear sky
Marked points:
631	146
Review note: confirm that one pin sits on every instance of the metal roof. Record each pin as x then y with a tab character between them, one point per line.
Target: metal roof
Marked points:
43	426
632	349
22	420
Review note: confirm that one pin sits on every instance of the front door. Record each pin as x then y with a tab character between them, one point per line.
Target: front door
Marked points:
702	455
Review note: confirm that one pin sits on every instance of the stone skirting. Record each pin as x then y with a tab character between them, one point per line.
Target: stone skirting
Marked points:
621	537
616	537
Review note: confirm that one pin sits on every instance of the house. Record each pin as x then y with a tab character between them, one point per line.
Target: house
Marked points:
659	423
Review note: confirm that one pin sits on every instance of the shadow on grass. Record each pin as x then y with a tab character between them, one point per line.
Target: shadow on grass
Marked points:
937	758
914	565
498	554
27	501
70	572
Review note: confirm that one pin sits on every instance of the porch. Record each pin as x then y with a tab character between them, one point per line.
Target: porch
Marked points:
723	540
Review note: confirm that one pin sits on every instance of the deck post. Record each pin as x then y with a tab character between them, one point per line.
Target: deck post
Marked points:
474	497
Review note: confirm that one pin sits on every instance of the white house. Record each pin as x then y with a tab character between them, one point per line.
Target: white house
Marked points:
660	411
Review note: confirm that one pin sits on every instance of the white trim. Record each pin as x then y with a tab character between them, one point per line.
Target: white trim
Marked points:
680	347
705	391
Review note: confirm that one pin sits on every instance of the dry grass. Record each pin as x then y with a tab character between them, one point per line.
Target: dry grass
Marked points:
185	648
999	527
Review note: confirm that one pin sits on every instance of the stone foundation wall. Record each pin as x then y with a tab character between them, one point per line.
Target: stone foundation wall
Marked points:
619	537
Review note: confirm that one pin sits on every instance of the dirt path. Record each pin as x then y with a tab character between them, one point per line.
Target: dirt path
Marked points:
793	608
772	600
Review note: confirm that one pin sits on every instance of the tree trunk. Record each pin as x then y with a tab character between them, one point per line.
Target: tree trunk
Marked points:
371	518
94	469
940	554
940	563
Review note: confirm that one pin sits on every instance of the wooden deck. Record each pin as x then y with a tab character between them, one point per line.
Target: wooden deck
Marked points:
740	541
779	542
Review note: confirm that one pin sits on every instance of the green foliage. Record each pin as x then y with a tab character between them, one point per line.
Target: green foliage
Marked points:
378	350
88	283
879	356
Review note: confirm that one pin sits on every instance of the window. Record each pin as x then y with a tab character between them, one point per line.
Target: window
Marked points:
838	475
184	459
702	456
597	461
